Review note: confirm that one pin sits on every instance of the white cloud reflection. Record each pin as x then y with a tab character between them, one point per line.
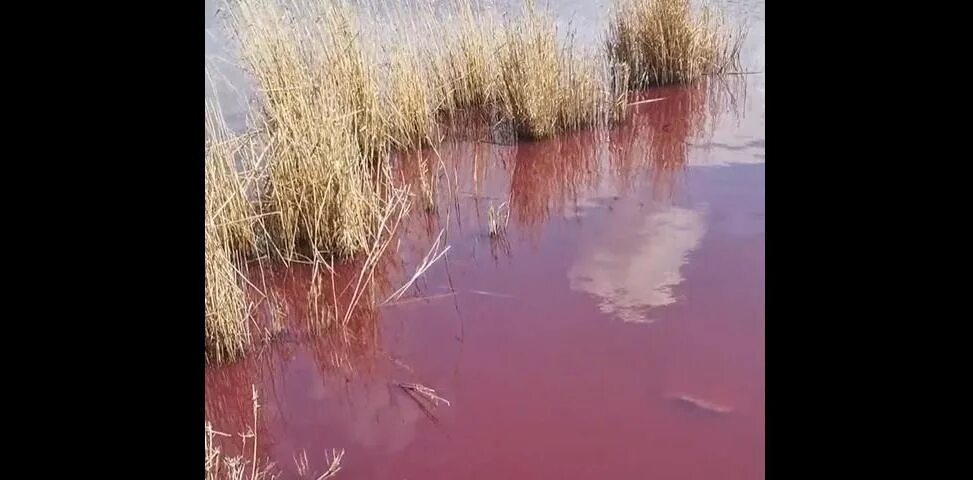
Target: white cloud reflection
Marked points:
632	267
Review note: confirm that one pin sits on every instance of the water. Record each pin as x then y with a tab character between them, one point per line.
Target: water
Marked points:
630	278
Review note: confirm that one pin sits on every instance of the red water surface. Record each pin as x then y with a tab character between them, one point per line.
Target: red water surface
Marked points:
631	273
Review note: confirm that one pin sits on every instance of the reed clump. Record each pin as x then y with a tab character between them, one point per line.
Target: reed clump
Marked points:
547	85
310	180
327	185
462	57
662	42
410	100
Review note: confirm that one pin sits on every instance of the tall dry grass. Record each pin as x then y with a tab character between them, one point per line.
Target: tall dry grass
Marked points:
462	56
662	42
309	181
306	56
229	230
327	185
410	102
547	84
227	326
230	180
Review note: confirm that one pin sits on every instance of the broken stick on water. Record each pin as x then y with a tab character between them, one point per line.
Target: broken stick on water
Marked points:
425	391
651	100
700	403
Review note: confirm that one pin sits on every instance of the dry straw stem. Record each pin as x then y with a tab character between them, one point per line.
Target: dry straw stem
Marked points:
660	42
219	466
424	392
499	216
364	282
334	465
436	251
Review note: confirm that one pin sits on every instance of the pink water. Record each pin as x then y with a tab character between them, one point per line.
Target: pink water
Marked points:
631	273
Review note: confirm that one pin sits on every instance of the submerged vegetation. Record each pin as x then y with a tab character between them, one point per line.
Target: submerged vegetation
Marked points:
311	180
221	466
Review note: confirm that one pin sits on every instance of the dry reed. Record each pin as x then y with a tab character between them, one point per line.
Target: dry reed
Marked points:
410	119
547	85
463	62
497	219
660	42
229	180
327	184
227	326
229	218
